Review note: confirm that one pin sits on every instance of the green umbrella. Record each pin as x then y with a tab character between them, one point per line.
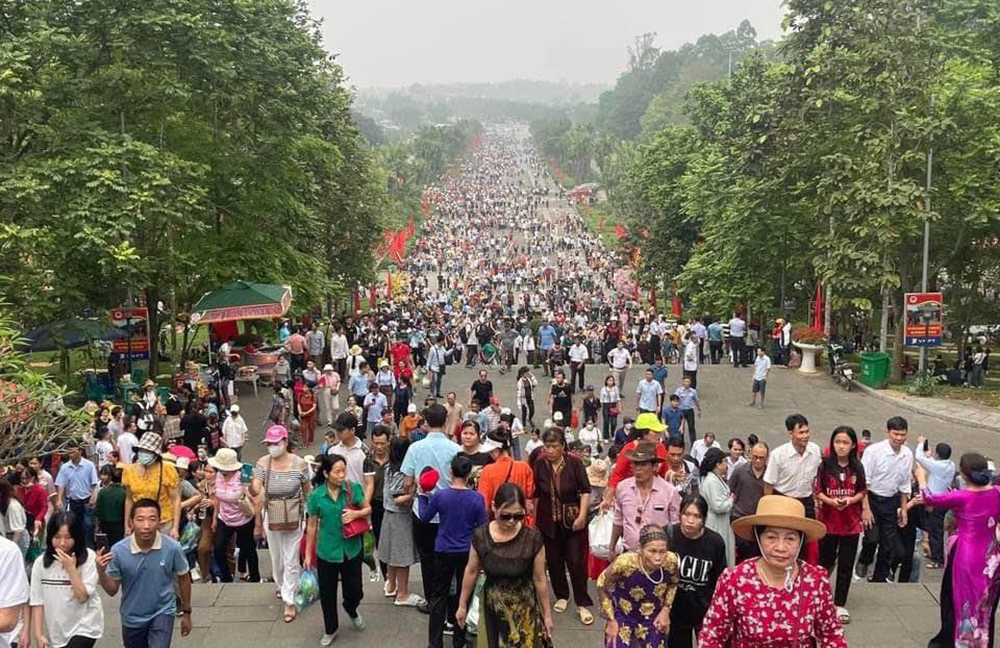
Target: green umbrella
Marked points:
242	300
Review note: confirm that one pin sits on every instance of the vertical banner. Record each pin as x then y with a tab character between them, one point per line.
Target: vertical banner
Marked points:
373	297
356	301
136	321
924	319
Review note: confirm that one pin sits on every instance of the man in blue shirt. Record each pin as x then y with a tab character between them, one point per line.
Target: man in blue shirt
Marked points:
673	418
688	397
146	565
715	342
435	451
940	475
546	340
77	490
659	371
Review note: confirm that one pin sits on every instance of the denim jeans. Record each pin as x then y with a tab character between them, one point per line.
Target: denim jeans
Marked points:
155	634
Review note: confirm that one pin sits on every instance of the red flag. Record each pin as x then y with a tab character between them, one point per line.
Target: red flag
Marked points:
676	309
620	231
356	300
818	319
372	297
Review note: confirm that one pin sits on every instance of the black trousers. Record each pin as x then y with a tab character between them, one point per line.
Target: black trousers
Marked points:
689	424
738	344
349	575
680	636
715	350
246	544
378	514
448	568
839	549
567	550
424	535
528	411
934	518
577	371
890	544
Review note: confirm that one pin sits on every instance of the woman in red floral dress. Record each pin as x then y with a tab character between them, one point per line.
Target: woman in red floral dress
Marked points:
776	600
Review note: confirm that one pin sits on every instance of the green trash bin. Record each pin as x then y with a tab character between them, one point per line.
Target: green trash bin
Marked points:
875	369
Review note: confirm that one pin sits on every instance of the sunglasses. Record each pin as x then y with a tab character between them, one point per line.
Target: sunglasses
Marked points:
510	517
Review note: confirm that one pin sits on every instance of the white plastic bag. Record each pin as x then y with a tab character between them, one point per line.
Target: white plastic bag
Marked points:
472	617
599	532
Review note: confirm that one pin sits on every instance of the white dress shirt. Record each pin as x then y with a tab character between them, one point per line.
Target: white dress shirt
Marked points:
578	353
791	473
699	448
887	472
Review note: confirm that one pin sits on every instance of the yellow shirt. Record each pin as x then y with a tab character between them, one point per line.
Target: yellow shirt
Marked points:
146	486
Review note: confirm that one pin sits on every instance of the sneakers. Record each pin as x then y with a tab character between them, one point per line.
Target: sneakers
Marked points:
449	628
327	639
359	622
374	576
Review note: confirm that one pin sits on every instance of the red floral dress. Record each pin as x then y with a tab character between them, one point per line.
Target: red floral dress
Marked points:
746	612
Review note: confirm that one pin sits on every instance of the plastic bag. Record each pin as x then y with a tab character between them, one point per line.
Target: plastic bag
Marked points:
472	617
369	545
308	590
599	533
190	537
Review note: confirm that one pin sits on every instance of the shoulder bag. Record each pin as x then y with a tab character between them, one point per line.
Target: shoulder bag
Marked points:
282	514
357	526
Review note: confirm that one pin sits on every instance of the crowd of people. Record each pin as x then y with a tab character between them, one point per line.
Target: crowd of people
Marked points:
513	510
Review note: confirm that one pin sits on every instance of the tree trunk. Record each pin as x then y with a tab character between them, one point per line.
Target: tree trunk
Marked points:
883	334
153	330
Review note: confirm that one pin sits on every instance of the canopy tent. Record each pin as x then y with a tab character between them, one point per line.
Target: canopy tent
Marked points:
242	300
69	334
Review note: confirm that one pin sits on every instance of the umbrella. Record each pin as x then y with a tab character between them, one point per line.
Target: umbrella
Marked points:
69	334
242	300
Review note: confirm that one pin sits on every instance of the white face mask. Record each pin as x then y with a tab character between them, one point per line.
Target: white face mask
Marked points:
146	458
276	450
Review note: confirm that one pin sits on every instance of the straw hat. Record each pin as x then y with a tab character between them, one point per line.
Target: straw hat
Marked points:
779	511
355	350
169	458
225	460
597	473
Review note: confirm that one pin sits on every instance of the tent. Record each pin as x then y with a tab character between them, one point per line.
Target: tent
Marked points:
69	334
242	300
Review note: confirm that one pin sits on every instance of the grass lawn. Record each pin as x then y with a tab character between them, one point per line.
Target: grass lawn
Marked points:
593	218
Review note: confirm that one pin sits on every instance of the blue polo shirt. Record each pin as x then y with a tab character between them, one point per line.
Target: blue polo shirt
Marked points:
435	450
546	336
672	418
147	578
659	372
79	479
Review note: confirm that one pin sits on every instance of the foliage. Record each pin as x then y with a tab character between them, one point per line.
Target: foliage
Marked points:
808	335
164	148
924	384
34	419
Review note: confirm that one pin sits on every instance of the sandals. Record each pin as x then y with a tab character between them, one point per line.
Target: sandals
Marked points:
289	613
586	618
930	564
413	600
843	615
560	605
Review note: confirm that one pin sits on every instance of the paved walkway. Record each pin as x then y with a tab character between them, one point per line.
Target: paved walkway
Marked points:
970	414
903	616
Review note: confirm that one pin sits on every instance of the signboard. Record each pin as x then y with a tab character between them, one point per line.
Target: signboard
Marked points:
924	321
138	320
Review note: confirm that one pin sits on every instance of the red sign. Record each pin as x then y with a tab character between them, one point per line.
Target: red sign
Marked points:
924	318
135	320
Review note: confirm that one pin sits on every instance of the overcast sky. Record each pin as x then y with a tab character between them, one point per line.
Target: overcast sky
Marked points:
391	43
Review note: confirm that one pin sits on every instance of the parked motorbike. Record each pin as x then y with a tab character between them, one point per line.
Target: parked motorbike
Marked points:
839	369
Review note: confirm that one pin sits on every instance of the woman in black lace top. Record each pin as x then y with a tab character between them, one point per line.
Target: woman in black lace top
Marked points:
515	600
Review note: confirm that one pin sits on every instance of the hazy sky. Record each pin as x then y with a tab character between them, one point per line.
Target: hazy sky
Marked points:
399	42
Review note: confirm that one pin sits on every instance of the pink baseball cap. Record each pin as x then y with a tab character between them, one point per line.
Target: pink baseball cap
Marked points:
275	433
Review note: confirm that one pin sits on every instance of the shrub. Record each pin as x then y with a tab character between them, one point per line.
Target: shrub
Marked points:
808	335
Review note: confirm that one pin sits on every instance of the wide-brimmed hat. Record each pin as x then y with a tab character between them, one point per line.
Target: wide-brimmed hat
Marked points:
275	434
149	383
648	421
225	460
597	473
151	442
169	458
643	452
782	512
328	367
355	350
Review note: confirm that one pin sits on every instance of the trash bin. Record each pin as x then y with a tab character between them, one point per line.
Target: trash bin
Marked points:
875	369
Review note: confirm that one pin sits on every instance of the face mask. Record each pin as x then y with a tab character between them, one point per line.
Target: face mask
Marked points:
146	458
276	450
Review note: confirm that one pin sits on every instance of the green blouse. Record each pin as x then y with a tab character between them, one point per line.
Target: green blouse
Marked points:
331	545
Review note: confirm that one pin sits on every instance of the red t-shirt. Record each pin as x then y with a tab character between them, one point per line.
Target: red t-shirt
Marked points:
842	484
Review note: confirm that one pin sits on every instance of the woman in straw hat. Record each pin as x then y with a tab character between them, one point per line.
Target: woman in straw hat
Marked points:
234	514
775	600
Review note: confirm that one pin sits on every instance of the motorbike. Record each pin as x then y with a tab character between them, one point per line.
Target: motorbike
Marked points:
839	369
